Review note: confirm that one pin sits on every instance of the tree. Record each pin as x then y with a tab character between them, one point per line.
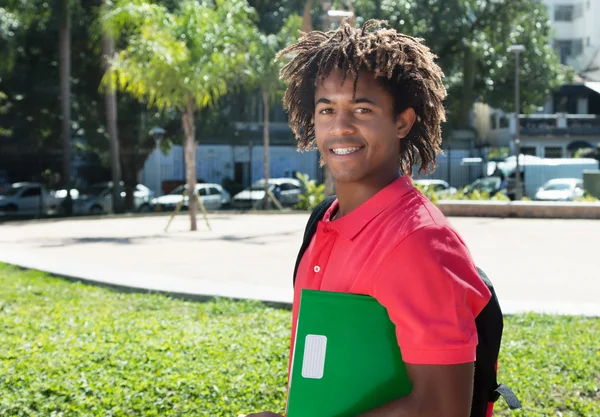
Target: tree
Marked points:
471	38
183	59
64	42
110	99
264	72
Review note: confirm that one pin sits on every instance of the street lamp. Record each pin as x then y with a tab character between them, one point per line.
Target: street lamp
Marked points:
157	133
517	49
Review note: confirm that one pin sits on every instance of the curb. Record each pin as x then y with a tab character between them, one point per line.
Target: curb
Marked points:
203	290
519	209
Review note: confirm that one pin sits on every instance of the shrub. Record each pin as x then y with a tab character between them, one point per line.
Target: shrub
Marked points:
313	193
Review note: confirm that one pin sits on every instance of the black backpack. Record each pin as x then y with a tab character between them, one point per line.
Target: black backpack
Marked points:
489	331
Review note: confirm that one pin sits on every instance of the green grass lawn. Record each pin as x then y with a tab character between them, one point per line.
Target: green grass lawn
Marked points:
75	350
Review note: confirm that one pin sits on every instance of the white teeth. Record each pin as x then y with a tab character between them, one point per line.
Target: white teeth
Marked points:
344	151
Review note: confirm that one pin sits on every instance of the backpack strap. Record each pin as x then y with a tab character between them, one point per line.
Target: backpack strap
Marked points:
311	227
509	396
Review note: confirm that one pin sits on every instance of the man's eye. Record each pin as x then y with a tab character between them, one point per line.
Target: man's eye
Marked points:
363	110
325	111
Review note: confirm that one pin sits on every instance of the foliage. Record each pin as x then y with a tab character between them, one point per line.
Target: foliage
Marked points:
75	350
471	38
500	197
191	53
262	70
587	198
272	13
313	194
499	152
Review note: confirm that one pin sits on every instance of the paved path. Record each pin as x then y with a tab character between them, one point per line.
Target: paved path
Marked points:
536	265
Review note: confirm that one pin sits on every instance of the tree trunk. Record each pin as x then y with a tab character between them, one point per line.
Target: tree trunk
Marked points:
307	17
266	139
110	101
64	42
467	96
189	128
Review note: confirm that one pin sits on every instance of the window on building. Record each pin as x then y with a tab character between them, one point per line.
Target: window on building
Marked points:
553	152
563	48
529	150
577	48
578	11
564	13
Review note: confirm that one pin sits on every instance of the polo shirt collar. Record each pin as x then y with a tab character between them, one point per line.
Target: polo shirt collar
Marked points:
354	222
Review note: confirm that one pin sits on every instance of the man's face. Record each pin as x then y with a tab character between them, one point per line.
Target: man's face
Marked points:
358	135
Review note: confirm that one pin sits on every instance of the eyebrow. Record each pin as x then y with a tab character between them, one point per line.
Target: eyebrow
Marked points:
356	101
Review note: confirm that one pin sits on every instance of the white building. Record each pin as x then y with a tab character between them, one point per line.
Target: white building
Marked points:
577	34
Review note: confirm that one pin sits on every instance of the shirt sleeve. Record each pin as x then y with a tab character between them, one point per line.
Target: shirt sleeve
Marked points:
433	293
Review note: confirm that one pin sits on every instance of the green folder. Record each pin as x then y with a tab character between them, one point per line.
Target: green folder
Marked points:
346	358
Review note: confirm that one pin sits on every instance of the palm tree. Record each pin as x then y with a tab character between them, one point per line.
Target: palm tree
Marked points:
110	100
184	59
265	75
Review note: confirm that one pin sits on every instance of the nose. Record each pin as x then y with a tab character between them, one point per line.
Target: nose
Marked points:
342	125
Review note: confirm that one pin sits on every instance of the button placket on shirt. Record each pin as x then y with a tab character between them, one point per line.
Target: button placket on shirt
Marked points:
325	240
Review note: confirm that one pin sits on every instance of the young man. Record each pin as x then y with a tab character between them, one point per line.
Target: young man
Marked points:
371	100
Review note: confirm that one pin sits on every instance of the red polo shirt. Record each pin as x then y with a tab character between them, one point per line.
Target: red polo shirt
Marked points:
400	249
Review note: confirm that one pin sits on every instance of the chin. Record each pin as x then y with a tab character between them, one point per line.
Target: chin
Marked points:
347	176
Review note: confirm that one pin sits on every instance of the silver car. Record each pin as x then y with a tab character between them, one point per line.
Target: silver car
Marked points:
213	197
97	199
560	189
286	190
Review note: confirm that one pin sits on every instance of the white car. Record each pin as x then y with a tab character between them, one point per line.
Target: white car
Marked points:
213	197
97	199
27	198
286	190
560	189
439	187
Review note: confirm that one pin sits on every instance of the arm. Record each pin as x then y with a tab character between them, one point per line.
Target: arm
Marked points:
438	391
432	292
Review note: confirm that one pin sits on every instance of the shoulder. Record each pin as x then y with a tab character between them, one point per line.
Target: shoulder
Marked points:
413	213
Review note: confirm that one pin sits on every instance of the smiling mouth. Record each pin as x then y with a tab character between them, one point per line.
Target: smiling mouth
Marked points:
346	151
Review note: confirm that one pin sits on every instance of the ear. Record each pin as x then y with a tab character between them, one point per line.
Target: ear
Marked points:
405	122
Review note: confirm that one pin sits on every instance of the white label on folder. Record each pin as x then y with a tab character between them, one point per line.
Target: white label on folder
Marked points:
313	363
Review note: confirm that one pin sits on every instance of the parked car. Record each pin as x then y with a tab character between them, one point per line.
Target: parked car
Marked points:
286	190
440	187
97	199
213	197
489	185
560	189
27	198
494	185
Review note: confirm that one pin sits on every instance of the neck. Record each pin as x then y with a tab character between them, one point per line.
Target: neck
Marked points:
350	195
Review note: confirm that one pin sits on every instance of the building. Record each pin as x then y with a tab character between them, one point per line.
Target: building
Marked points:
577	34
223	163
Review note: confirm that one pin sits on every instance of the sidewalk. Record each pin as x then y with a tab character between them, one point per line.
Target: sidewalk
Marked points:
536	265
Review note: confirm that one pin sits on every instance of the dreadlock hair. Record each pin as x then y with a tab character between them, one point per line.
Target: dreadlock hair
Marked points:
402	65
